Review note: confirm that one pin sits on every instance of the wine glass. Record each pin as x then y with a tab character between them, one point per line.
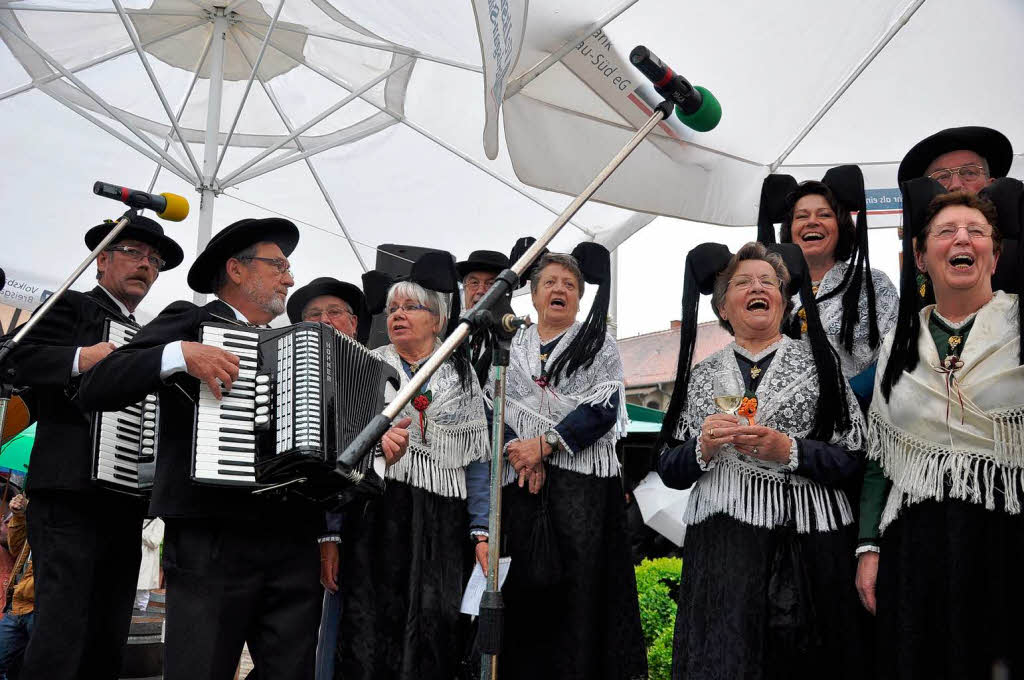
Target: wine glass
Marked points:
728	392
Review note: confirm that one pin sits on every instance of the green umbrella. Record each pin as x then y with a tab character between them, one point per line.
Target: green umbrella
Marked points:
14	454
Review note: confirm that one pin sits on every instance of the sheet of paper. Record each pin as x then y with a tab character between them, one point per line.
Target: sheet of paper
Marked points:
478	584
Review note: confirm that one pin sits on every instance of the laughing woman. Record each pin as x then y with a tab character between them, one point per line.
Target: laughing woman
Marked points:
857	305
947	425
767	584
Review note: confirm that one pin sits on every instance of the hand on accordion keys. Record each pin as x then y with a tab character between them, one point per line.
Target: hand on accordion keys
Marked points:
395	441
212	365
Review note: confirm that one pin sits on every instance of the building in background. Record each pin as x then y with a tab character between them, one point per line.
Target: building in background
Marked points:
649	361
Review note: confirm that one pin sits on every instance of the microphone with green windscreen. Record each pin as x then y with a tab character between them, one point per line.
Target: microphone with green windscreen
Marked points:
695	106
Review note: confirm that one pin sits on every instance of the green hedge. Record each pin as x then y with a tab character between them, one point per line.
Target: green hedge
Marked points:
657	585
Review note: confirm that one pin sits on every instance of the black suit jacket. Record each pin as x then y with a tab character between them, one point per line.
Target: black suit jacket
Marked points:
133	371
62	454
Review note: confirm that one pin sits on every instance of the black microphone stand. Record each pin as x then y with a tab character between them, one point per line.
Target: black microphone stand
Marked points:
7	374
482	315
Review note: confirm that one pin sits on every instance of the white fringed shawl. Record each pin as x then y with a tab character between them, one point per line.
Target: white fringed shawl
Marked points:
751	490
532	410
456	429
922	452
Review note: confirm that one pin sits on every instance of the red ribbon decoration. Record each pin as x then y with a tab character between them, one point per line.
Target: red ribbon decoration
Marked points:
420	403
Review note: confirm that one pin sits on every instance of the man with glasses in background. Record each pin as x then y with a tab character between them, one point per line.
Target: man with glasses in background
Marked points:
964	159
85	539
342	306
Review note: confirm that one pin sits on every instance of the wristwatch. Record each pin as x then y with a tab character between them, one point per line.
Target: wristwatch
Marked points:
479	538
552	440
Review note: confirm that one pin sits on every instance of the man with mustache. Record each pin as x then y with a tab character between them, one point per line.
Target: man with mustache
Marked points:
240	567
85	539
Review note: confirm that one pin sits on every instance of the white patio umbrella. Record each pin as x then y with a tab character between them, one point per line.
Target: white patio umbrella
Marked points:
804	85
363	124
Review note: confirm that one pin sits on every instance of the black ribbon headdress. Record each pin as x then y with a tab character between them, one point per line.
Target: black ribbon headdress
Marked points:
433	271
595	265
703	266
779	194
1007	195
520	247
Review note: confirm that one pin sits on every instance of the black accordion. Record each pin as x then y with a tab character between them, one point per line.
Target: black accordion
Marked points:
303	393
124	443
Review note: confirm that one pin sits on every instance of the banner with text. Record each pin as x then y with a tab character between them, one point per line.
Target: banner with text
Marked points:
501	25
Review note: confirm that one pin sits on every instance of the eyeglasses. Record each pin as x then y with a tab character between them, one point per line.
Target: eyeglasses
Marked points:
744	282
477	283
332	313
407	307
948	231
136	255
968	173
283	267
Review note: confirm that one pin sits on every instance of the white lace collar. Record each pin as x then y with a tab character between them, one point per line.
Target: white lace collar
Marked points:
760	355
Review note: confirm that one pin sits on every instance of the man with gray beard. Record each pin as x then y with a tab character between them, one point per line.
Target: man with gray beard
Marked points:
240	567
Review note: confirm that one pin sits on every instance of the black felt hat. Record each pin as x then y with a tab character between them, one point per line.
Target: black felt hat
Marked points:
141	229
990	144
234	238
482	261
325	285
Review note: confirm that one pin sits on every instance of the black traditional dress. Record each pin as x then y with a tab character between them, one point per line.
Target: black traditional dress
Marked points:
402	556
767	586
587	625
951	440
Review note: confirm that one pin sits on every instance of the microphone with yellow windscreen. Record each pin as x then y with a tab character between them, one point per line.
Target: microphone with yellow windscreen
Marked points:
170	207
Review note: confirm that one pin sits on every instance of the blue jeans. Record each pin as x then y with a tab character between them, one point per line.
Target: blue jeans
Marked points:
15	631
327	645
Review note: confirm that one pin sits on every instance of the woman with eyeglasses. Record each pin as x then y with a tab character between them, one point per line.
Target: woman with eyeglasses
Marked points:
947	426
403	565
763	433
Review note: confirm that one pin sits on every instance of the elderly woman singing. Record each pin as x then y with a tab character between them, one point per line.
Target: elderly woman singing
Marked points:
767	584
403	566
571	602
947	425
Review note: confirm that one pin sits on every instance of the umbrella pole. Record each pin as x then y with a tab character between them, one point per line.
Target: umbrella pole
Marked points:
480	316
7	374
207	191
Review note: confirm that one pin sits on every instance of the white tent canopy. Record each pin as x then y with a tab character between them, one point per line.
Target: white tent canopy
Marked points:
363	120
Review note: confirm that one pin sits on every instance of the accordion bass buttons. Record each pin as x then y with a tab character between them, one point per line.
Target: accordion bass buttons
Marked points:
264	390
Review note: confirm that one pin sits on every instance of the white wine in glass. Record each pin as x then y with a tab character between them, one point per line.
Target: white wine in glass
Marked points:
728	392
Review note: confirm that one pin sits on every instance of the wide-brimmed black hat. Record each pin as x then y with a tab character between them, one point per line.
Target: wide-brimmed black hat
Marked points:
235	237
482	261
141	229
990	144
325	285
